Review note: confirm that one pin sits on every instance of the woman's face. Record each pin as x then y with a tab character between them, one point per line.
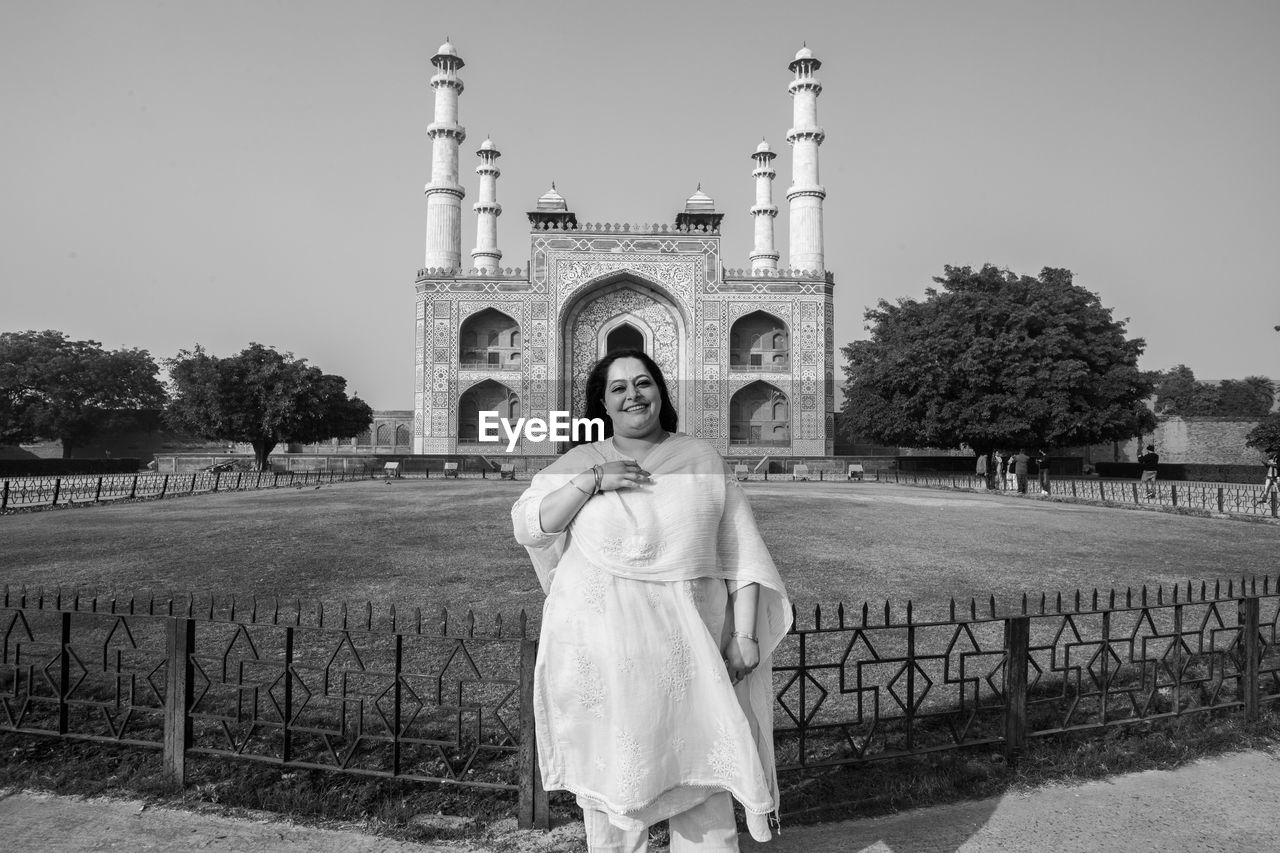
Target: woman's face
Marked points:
632	399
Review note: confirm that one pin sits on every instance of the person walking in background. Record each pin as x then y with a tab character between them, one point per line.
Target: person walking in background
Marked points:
1147	464
1021	469
1042	463
981	470
653	686
1272	482
1009	482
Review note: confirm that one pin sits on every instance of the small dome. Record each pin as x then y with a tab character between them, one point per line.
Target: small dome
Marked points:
488	145
763	148
699	202
446	49
552	200
802	53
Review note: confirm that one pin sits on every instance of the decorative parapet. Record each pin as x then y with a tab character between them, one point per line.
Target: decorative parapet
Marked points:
626	228
812	275
509	273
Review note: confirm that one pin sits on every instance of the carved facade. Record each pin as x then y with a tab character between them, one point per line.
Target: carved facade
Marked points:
747	354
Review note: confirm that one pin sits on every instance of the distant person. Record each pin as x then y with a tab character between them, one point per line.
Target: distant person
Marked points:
1042	464
1147	464
1006	472
1271	484
981	470
1021	469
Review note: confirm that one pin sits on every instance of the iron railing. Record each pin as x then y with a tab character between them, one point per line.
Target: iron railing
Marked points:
1223	498
83	489
399	694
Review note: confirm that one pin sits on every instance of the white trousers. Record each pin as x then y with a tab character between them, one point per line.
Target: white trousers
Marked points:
705	828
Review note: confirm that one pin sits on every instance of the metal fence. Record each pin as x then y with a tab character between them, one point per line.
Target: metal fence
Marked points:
420	697
83	489
1232	498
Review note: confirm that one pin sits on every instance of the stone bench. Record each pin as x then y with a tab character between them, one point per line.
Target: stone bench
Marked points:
391	470
740	471
800	472
856	472
451	469
507	471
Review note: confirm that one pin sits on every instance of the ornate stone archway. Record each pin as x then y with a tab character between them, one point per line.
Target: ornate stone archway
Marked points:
588	326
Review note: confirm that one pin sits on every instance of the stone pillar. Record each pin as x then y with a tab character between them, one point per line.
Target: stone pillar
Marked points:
444	193
806	194
764	257
486	255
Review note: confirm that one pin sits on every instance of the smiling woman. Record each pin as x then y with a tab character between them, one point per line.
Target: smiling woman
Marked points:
652	690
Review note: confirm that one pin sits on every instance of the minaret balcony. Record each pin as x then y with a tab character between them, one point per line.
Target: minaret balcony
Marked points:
448	79
765	172
817	134
764	210
446	129
446	189
797	192
805	84
487	207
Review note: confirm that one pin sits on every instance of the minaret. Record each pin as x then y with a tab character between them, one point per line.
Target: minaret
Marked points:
444	193
764	257
806	194
486	255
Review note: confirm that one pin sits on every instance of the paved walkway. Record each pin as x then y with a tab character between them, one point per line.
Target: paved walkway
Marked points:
1220	805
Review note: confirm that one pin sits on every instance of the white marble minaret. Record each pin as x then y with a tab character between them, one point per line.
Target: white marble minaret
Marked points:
444	193
806	194
485	255
764	257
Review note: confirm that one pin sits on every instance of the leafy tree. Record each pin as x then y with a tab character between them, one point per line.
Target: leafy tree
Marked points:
52	387
1266	435
996	360
1251	397
261	397
1178	392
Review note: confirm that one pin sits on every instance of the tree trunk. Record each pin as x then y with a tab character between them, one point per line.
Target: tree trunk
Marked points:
262	451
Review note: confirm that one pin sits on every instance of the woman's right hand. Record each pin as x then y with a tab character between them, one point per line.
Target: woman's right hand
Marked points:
623	474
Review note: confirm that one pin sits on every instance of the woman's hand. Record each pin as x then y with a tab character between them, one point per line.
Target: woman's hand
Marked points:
741	657
623	474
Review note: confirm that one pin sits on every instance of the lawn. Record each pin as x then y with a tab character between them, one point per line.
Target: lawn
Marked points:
432	543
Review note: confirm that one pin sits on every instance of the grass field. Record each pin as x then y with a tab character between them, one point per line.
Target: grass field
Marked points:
431	543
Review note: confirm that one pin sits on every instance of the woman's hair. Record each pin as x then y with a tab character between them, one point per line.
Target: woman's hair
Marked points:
598	378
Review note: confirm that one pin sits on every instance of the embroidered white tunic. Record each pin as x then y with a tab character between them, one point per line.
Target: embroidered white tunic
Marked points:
634	709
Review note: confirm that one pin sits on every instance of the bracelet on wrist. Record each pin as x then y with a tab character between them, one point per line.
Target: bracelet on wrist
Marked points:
744	636
599	472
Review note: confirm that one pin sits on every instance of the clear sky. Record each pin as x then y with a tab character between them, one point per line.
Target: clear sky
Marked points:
227	172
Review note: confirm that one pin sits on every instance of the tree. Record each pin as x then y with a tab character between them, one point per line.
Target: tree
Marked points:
1178	392
996	360
261	397
52	387
1266	435
1251	397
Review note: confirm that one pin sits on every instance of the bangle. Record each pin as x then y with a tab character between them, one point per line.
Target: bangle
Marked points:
574	483
599	472
744	636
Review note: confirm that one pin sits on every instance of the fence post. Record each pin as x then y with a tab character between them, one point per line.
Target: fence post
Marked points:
4	497
217	478
1275	500
1220	499
1173	493
1017	639
534	809
133	490
64	674
57	487
1135	492
164	487
180	641
97	495
1248	620
192	490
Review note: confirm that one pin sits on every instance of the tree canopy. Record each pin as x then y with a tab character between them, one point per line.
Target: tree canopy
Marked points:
52	387
996	360
1178	392
261	397
1266	435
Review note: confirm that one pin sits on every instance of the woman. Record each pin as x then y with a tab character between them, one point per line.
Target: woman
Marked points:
653	689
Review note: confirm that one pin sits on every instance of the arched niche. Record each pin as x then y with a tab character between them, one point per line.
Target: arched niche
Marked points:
486	396
760	341
760	414
489	339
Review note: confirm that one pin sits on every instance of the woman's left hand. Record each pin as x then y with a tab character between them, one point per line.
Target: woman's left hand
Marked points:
741	658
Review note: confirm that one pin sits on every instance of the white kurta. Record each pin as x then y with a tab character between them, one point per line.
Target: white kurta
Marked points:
634	708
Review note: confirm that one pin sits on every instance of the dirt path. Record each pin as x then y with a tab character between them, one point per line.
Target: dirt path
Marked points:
1220	805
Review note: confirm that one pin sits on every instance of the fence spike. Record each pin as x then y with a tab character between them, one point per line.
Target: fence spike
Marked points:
319	614
886	611
1175	593
1266	584
1217	588
952	611
1160	594
417	620
343	610
444	621
909	607
973	608
817	617
1042	603
1111	599
233	607
151	604
297	612
171	605
75	602
1128	596
471	623
524	623
1077	599
1094	606
57	599
210	606
1204	588
993	607
497	625
1144	595
253	610
1253	584
40	597
368	615
275	612
393	617
840	613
